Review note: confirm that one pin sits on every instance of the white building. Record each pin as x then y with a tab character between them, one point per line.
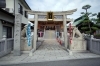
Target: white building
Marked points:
12	7
16	7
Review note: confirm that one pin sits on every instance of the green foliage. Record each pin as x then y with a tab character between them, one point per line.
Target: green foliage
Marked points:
94	28
86	21
84	24
88	26
98	16
94	20
95	25
87	32
98	20
86	6
84	28
94	14
82	13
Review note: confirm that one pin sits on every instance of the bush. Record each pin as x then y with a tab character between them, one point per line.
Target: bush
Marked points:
97	36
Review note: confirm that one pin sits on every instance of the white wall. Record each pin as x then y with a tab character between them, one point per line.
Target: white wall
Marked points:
10	4
24	19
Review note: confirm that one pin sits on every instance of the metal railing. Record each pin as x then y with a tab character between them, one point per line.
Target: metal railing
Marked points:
6	46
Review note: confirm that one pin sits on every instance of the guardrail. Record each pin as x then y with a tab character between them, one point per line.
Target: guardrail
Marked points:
6	46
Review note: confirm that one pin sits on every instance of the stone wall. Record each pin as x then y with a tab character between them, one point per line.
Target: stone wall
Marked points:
24	45
78	45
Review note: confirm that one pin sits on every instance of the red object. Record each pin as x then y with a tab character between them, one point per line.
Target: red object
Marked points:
70	29
70	32
59	41
70	40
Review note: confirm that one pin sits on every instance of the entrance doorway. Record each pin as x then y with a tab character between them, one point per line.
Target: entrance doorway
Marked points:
50	28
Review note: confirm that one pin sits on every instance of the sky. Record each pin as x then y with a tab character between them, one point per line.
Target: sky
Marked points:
64	5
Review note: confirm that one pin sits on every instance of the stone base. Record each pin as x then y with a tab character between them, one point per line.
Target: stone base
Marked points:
31	52
78	45
73	52
24	46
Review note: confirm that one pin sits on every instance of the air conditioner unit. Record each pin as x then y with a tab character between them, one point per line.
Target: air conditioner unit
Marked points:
10	10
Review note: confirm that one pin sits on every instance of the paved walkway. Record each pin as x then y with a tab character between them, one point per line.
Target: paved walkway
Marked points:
50	50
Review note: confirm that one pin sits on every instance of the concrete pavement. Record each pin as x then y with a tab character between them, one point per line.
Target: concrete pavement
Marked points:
50	50
75	62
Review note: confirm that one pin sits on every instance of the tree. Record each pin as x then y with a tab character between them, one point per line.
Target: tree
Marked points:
87	23
98	18
86	7
85	27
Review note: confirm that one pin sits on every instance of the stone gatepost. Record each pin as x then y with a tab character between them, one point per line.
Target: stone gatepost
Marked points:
17	35
35	31
65	31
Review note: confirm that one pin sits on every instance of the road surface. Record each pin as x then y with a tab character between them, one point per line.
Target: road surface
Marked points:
78	62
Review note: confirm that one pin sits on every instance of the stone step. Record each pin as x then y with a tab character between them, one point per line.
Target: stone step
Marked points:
49	34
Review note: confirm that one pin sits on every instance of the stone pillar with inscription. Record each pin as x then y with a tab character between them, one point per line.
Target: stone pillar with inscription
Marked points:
17	35
65	31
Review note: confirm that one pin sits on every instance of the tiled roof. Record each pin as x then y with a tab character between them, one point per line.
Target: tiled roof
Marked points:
75	23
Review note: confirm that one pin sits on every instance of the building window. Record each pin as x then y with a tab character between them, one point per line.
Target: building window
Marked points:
25	13
2	4
20	9
7	31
